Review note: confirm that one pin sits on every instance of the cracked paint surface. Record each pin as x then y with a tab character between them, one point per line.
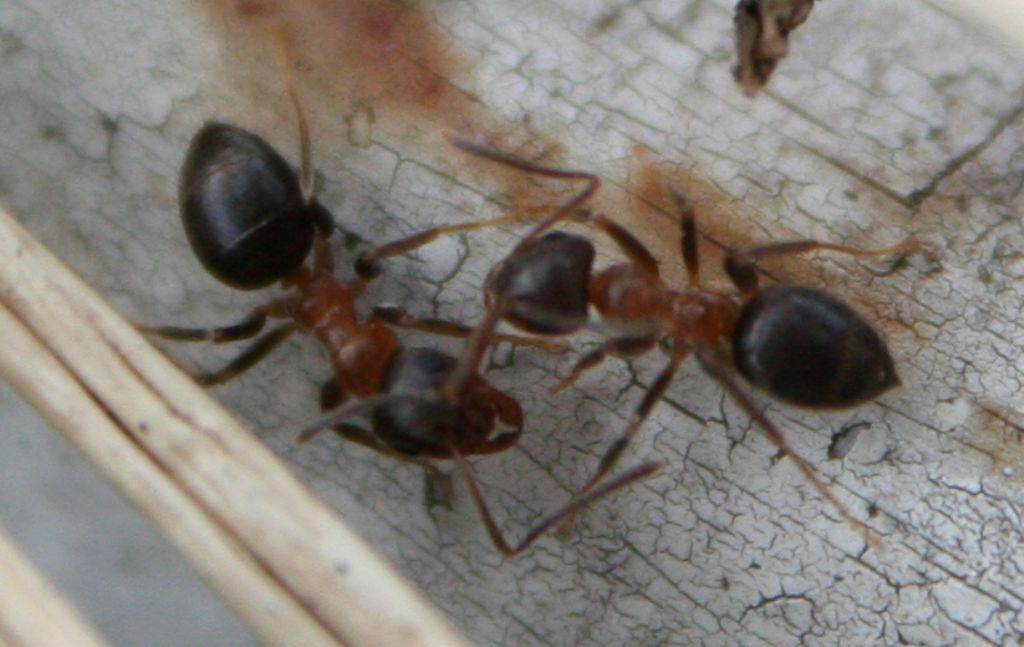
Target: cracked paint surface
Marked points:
886	119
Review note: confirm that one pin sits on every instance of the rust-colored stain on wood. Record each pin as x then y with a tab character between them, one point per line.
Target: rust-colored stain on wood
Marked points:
651	211
382	52
1001	438
722	224
392	57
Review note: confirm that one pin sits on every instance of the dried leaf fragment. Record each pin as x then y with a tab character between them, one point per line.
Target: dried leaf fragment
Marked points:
762	38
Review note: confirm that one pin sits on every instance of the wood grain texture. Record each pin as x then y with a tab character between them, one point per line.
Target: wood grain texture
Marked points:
886	119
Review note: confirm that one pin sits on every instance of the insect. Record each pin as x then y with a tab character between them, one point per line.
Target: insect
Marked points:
799	344
251	221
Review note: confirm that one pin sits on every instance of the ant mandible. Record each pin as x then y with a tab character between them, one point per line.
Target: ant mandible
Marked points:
252	222
799	344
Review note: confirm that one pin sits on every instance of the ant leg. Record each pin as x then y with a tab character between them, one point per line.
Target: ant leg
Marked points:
331	394
478	341
323	255
399	317
653	395
585	363
688	242
437	492
361	436
571	509
740	266
630	245
563	212
614	453
248	327
249	357
716	366
366	264
338	418
911	243
621	347
476	346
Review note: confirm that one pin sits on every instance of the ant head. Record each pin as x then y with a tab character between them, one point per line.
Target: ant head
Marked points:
416	417
545	286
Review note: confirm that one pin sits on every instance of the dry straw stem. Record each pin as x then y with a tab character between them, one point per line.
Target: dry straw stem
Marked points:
286	564
69	406
32	612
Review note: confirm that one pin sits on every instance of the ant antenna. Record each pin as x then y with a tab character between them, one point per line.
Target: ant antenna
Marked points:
348	411
563	212
307	182
481	337
571	509
688	229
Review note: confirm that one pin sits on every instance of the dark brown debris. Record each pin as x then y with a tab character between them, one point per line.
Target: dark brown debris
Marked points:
762	38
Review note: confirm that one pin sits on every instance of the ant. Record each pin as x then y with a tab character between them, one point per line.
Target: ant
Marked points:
252	222
799	344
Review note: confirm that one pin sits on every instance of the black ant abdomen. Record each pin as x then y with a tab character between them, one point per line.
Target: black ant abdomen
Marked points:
244	210
810	349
